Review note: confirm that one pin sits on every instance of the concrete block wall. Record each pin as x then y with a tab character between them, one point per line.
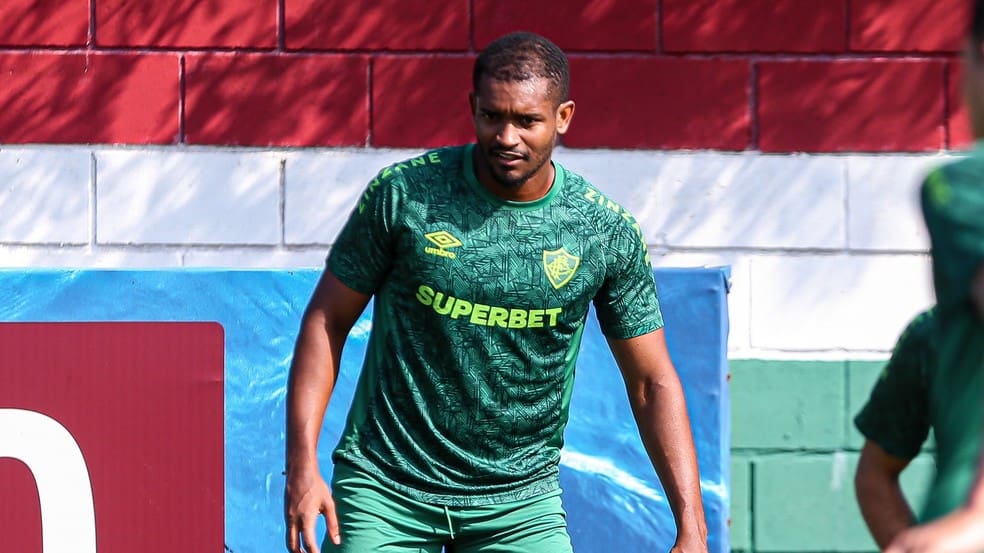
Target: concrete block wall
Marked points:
784	76
786	139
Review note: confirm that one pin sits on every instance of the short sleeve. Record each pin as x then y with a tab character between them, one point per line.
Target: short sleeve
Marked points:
362	255
896	416
627	303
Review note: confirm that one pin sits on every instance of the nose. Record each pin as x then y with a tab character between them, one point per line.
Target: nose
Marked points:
508	135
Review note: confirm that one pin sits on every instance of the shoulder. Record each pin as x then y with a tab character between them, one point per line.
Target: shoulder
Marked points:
916	344
943	184
414	176
604	214
920	330
426	166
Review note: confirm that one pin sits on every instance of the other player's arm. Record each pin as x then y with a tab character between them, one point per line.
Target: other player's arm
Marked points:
876	484
660	411
329	316
961	531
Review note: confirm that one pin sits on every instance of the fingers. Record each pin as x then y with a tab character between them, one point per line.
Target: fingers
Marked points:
307	532
332	519
293	543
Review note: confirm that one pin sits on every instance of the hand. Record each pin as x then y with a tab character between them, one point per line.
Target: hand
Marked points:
693	542
959	532
305	496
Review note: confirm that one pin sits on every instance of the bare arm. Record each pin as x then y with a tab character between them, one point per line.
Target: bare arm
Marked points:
876	484
329	316
660	411
961	531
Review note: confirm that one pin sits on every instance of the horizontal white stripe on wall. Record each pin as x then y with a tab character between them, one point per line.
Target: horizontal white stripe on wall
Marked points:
828	252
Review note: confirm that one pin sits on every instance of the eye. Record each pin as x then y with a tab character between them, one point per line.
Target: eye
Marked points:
527	121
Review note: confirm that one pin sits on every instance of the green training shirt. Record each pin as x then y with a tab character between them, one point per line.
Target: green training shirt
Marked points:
953	207
478	313
896	416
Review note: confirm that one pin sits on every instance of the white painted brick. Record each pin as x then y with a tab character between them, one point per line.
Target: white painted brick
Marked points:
84	257
173	197
44	195
738	296
883	201
744	201
256	259
724	200
323	187
842	302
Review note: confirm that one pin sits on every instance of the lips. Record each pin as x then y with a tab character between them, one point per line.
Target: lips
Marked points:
508	158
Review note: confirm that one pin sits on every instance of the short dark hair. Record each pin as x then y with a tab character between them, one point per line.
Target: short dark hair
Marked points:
523	55
976	29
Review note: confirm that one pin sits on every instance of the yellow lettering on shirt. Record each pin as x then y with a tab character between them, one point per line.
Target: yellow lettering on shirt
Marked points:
481	314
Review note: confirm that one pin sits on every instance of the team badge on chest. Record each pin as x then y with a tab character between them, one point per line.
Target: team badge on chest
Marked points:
560	266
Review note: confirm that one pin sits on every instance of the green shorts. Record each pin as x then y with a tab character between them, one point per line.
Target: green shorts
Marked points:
374	518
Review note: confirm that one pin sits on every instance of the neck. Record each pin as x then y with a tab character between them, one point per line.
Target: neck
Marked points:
536	187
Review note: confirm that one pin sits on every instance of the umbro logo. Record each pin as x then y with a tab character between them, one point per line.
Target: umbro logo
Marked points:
443	240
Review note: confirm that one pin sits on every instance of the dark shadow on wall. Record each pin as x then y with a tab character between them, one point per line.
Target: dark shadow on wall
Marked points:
33	23
928	26
575	25
88	97
276	100
186	23
421	101
390	25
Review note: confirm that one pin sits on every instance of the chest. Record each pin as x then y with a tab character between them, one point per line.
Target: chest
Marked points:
504	258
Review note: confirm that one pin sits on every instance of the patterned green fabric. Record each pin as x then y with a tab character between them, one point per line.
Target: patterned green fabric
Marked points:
896	416
478	313
953	206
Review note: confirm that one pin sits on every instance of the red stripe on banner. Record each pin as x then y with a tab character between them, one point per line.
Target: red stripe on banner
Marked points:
143	403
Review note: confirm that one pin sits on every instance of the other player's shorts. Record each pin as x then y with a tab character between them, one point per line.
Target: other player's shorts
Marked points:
374	518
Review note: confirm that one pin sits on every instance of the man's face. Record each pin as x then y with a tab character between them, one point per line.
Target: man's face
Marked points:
972	85
517	124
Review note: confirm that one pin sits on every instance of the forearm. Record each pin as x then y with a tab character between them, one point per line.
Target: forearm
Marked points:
661	414
312	378
884	508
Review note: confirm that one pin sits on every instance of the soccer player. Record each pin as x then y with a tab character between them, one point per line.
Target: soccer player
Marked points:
953	207
895	423
482	261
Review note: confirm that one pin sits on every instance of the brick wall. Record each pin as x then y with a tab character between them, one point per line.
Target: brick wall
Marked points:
768	75
191	133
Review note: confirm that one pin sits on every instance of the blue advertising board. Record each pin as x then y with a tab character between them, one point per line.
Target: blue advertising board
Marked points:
611	494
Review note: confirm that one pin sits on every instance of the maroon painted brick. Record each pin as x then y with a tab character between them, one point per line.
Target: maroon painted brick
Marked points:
377	25
421	102
44	22
186	23
908	25
277	100
582	25
659	103
88	98
843	106
958	123
754	25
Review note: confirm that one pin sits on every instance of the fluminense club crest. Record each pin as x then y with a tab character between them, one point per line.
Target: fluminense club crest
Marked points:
560	266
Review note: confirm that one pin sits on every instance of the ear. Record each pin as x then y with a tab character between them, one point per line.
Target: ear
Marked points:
565	112
473	103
